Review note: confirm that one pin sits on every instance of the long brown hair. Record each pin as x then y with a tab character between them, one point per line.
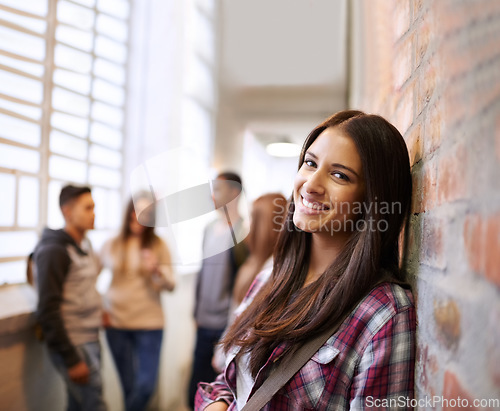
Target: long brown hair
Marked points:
285	311
148	236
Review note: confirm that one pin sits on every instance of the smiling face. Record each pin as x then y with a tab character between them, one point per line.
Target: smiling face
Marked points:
329	185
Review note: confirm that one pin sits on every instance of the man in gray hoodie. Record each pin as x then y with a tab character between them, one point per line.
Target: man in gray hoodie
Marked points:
69	306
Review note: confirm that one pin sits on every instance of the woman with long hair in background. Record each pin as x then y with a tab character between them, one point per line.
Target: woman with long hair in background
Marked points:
141	267
268	213
336	267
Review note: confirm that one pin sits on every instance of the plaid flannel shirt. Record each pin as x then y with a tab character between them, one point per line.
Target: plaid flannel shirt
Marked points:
367	364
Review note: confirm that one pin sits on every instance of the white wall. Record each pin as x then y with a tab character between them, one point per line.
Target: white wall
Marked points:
264	173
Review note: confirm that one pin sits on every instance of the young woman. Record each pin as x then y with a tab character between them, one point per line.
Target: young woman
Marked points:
140	262
337	257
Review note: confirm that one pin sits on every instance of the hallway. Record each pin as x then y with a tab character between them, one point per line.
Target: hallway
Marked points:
162	95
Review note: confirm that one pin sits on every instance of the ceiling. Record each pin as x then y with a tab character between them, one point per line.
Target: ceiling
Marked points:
281	43
283	65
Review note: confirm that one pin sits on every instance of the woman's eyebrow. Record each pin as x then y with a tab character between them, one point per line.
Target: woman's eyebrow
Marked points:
338	165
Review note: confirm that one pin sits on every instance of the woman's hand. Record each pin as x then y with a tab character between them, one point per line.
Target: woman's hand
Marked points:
160	275
149	262
217	406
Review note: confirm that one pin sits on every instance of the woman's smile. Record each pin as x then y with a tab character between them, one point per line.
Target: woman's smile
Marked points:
312	206
328	184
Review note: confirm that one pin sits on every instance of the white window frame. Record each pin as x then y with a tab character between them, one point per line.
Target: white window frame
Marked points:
47	110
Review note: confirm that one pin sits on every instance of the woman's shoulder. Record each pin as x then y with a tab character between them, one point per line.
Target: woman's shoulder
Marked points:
383	303
389	294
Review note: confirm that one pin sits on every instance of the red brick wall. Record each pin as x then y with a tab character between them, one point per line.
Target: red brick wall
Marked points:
432	67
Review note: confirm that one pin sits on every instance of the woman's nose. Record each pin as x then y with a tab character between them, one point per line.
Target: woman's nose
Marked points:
314	183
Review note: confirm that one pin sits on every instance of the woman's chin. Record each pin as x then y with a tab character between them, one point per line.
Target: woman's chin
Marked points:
304	225
298	223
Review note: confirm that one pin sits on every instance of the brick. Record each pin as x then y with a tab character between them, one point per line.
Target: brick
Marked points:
453	16
429	367
403	115
427	85
470	47
422	42
482	245
456	58
453	391
473	240
493	348
417	187
433	126
447	317
414	239
402	65
451	182
424	196
401	22
429	191
484	42
431	247
487	85
414	144
455	109
491	252
417	6
497	136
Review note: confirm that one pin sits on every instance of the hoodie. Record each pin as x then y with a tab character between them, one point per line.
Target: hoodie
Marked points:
69	306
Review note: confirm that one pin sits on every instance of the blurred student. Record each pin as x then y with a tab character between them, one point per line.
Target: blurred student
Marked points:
215	281
69	306
141	267
267	219
268	213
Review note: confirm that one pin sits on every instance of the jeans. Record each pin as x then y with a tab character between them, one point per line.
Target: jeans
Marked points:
206	339
137	355
83	397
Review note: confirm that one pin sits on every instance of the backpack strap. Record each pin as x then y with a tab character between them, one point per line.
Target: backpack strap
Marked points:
288	367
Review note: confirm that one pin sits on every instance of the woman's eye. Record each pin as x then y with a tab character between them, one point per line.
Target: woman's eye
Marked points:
310	163
341	176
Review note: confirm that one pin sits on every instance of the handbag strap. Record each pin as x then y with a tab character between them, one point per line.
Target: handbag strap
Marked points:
288	368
